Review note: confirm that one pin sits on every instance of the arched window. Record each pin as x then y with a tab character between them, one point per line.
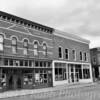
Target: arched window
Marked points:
35	48
44	49
1	42
25	46
14	45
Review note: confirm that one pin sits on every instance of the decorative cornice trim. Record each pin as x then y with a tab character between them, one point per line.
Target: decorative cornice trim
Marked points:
70	36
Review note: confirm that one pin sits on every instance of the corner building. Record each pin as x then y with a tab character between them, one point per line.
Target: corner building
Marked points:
36	56
25	53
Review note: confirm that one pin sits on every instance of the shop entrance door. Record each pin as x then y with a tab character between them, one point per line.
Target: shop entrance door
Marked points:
10	82
19	83
73	74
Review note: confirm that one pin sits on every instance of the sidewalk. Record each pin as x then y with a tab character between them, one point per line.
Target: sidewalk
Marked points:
44	91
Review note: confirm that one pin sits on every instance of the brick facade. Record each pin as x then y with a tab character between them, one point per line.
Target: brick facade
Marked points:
71	45
32	70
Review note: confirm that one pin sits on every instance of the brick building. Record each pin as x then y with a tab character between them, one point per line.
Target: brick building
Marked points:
95	61
36	56
71	62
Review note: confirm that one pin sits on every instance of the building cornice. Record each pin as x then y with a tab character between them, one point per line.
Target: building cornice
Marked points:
70	36
24	22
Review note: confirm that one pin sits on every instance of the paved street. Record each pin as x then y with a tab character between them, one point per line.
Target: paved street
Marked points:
82	93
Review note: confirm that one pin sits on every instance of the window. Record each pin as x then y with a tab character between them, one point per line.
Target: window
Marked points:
49	64
80	55
66	53
94	60
60	52
3	80
85	56
35	48
14	45
25	47
44	49
16	62
36	63
45	64
74	54
28	79
60	71
6	62
30	63
86	72
26	63
78	69
1	42
11	62
21	63
41	64
41	77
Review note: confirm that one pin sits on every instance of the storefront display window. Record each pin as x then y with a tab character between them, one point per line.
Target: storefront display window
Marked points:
41	77
78	68
28	79
3	80
60	72
86	72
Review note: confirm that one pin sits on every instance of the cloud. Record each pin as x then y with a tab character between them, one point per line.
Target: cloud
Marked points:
81	17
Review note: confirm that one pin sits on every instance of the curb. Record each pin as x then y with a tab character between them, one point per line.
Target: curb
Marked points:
44	92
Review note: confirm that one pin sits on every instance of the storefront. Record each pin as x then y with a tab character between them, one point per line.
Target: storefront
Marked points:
25	74
67	72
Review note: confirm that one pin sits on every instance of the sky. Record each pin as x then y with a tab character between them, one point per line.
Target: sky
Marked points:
80	17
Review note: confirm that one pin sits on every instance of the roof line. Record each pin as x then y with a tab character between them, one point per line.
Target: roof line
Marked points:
71	36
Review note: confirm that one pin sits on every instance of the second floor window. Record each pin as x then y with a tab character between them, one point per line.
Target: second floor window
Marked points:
66	53
35	48
44	49
74	54
85	56
25	47
1	42
14	45
60	52
80	55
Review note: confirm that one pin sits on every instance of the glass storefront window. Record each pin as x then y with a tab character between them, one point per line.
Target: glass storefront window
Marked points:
78	68
3	80
41	77
86	73
28	79
60	71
